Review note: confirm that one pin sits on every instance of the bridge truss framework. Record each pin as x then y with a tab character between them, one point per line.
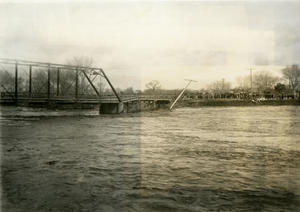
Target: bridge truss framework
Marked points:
56	69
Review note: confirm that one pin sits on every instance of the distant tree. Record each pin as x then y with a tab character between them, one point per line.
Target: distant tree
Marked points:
292	75
108	91
264	80
101	85
118	90
39	80
219	87
280	88
128	91
69	75
81	61
243	83
138	91
153	86
6	81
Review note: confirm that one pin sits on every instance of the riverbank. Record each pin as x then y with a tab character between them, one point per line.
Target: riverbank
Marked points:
235	102
179	104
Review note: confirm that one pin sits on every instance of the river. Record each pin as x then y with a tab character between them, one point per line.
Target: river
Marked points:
190	159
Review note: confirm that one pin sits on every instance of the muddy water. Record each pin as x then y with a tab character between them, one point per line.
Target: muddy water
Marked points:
205	159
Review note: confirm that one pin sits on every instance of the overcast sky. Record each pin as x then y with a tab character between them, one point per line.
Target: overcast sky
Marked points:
135	42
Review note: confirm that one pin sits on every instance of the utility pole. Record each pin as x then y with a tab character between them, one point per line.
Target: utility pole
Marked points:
181	93
251	82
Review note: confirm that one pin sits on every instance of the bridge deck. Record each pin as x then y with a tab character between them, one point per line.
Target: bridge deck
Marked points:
83	101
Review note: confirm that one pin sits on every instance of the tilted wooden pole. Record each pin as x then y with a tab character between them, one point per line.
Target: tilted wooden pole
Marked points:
181	93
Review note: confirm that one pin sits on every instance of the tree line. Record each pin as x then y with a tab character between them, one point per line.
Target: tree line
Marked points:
261	83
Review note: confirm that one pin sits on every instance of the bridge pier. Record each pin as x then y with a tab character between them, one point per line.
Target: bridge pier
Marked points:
133	106
111	108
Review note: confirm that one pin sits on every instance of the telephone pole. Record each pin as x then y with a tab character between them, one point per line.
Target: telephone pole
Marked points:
178	97
251	79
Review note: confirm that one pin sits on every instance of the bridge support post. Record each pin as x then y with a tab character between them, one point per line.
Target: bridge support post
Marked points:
30	81
120	107
57	81
16	82
48	84
111	108
76	84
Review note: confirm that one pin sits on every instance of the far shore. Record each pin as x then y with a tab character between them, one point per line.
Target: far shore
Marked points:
236	102
191	103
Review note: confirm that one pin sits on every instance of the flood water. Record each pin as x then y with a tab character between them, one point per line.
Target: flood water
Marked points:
204	159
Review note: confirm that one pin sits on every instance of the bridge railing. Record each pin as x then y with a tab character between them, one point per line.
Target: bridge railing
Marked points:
88	96
105	97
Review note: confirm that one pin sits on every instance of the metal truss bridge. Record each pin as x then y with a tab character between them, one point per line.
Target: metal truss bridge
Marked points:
31	82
